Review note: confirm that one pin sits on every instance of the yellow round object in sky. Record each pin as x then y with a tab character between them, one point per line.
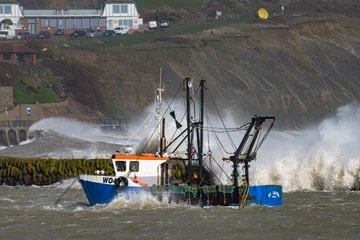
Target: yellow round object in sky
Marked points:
263	13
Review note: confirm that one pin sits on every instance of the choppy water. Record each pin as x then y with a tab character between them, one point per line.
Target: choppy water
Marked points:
316	167
30	213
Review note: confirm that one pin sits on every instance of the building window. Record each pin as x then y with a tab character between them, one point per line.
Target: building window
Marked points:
53	22
7	56
102	22
124	9
69	23
61	23
7	9
134	166
111	23
116	9
31	20
44	22
85	23
93	22
77	23
1	9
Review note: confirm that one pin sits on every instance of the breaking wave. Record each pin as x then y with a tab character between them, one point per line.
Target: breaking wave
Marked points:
325	156
322	157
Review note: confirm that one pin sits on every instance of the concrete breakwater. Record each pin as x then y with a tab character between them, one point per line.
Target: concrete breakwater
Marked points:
15	171
15	132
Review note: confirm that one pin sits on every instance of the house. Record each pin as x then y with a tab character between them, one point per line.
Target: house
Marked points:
10	11
114	13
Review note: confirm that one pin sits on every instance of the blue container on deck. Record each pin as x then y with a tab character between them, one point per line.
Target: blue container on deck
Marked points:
269	195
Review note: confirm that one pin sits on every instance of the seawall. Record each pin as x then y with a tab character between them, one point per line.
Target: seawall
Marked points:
13	135
15	171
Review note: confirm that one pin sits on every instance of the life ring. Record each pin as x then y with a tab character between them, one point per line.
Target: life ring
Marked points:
121	183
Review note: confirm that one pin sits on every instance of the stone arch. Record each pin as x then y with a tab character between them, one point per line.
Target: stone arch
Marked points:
3	138
12	136
22	135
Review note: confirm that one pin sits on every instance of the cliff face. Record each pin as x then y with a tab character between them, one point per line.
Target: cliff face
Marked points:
299	73
299	67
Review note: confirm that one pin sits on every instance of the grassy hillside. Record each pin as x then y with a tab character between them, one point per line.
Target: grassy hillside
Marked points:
300	66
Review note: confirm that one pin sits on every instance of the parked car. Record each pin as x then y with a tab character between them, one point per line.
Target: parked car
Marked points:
59	32
109	33
94	33
121	30
43	35
78	34
7	34
23	35
164	24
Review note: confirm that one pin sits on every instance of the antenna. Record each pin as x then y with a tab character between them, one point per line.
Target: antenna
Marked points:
158	97
158	103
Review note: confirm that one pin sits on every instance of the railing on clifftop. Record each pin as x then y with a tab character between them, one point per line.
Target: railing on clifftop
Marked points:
94	122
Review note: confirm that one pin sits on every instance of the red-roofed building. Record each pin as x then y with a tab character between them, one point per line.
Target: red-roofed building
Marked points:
14	52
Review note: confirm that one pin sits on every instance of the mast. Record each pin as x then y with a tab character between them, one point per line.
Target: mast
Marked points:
188	83
201	126
158	103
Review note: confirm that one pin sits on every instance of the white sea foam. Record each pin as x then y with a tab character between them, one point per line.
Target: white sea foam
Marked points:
322	157
139	200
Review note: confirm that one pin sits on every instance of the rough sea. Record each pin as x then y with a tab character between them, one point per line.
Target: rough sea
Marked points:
317	167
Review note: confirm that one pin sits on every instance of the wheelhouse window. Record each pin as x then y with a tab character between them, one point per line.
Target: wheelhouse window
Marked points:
120	166
134	166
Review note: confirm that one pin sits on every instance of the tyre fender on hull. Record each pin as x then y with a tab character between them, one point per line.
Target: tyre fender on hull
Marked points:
121	183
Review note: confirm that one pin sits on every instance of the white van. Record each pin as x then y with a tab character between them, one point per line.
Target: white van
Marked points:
7	34
121	30
152	24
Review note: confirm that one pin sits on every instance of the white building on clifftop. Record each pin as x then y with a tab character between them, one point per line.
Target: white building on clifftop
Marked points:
113	14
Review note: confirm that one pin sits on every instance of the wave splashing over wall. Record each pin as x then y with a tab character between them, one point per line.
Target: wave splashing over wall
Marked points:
323	157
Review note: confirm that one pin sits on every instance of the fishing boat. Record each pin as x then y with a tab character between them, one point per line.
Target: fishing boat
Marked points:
181	169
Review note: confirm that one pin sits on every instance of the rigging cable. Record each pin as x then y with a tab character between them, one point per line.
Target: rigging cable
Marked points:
66	190
265	136
159	120
222	121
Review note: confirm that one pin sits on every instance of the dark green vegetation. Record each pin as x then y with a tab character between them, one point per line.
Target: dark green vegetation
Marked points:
14	171
25	93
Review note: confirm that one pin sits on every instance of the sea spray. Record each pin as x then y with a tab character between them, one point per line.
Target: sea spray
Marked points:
322	157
